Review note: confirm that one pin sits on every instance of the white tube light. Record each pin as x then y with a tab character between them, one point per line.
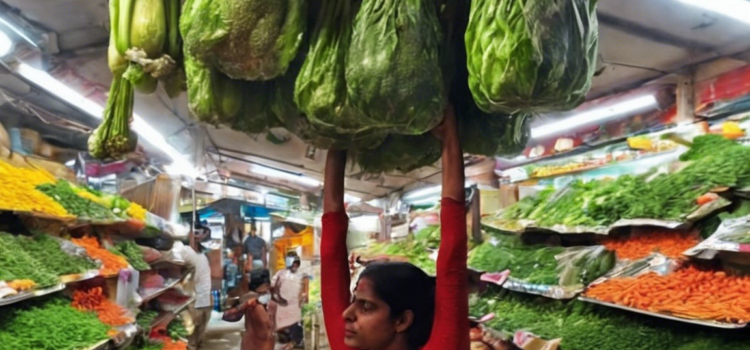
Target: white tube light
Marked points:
737	9
5	44
428	191
18	32
179	166
270	172
426	201
595	115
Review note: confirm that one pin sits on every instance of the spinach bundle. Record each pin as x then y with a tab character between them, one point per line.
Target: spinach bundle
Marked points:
531	55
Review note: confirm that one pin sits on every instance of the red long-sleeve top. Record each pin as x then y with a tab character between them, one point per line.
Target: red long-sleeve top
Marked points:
450	330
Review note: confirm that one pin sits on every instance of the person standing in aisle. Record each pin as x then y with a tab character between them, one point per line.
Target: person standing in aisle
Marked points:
290	287
256	250
258	310
201	311
396	305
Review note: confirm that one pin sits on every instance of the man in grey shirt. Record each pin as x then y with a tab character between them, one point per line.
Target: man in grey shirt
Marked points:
257	252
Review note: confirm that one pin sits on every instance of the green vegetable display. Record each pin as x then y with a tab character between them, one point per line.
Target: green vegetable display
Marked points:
416	251
393	73
531	55
132	252
176	330
584	326
146	319
667	197
63	193
19	264
49	324
48	252
540	264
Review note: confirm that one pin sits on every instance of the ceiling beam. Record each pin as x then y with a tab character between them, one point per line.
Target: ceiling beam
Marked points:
651	34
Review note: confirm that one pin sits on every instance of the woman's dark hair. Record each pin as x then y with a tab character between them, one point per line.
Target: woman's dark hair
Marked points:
404	286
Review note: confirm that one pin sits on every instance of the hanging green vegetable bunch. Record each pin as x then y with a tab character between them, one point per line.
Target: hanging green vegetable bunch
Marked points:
531	55
230	42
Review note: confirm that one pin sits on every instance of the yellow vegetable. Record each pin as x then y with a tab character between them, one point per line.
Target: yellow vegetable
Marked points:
18	191
21	285
136	211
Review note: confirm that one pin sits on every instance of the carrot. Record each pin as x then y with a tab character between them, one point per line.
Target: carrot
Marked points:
688	292
111	263
641	244
108	312
706	198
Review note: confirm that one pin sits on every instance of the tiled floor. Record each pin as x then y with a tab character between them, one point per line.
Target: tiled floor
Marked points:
221	341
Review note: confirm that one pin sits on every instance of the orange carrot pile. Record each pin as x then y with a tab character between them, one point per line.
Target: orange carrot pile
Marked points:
689	292
109	312
111	263
170	344
642	244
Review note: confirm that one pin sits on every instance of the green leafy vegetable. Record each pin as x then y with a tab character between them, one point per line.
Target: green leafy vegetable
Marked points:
132	252
392	69
19	264
531	55
64	194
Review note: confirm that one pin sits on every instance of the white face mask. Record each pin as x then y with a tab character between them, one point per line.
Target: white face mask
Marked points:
264	299
289	262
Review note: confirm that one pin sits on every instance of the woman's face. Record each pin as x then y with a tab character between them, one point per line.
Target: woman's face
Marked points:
367	321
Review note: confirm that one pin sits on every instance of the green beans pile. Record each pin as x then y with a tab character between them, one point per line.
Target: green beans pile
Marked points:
133	254
176	330
51	324
146	318
47	250
19	264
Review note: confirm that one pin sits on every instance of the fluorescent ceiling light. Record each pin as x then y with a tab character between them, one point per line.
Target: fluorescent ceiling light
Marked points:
18	32
428	191
594	115
737	9
270	172
179	166
426	201
5	44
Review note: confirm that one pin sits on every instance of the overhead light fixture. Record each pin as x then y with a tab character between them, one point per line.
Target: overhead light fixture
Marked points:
595	115
428	191
5	44
426	201
737	9
18	32
179	166
298	178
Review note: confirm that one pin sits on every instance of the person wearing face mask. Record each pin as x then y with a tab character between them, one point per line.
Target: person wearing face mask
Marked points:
290	287
258	310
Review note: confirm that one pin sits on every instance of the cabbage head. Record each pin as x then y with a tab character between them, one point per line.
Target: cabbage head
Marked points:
393	70
402	153
531	55
244	39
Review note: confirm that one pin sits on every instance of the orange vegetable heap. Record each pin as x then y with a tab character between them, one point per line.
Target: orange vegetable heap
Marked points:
111	263
22	285
641	245
170	344
689	292
109	312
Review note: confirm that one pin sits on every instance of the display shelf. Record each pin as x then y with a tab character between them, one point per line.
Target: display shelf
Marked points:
104	344
708	323
32	294
169	316
161	291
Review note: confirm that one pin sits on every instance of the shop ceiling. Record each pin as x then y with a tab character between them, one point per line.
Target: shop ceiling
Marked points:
640	41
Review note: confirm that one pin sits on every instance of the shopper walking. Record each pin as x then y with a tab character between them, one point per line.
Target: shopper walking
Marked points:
258	310
201	311
290	288
394	304
257	252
